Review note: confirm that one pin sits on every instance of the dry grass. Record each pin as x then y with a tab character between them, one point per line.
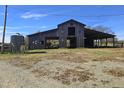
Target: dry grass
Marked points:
105	82
71	75
118	72
40	73
107	54
72	55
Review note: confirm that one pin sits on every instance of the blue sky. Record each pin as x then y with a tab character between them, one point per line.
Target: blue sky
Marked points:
30	19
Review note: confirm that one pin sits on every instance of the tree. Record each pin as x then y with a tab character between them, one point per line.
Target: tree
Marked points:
103	29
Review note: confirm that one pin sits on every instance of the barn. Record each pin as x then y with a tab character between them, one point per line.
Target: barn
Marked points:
69	34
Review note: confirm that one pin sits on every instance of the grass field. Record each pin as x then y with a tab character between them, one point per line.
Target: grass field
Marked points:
72	55
103	67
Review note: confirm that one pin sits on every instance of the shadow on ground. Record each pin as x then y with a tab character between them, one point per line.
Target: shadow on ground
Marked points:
40	52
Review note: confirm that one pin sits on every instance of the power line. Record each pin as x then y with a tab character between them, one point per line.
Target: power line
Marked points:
102	15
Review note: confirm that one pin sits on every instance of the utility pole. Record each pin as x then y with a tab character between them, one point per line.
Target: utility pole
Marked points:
4	30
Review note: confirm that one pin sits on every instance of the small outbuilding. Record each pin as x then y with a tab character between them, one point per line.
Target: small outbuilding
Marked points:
17	41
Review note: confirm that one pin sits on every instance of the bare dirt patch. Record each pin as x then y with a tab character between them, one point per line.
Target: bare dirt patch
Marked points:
40	72
72	75
118	72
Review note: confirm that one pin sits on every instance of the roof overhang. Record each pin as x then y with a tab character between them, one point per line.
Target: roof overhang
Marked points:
97	34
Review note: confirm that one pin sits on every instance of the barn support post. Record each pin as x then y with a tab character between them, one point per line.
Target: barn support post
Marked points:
122	45
101	42
45	43
95	44
106	41
98	43
113	42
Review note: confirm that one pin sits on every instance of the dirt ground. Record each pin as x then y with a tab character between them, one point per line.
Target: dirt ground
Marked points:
78	68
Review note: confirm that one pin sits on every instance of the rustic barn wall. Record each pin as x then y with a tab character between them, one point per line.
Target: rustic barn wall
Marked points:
35	42
38	41
63	34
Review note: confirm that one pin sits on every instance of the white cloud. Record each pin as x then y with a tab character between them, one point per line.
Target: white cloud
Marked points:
29	15
3	13
10	31
43	27
1	27
1	31
7	37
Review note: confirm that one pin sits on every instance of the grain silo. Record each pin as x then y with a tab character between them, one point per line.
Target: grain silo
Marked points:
16	42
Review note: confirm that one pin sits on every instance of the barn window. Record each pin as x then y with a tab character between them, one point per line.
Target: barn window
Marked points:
42	42
71	24
71	31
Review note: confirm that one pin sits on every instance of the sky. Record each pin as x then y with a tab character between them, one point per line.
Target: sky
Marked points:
31	19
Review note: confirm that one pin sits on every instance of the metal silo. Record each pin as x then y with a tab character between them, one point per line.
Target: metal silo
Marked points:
16	42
